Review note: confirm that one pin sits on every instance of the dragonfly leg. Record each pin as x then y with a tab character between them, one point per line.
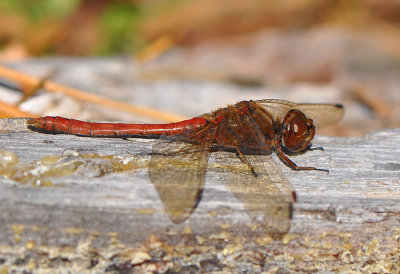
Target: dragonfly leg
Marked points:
240	155
292	165
243	158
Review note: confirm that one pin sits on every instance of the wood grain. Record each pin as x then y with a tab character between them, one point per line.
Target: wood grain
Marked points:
99	217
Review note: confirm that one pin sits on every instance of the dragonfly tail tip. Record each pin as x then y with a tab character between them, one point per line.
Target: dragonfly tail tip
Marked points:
35	122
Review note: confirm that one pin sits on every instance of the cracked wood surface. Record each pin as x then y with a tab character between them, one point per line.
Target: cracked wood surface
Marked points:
340	219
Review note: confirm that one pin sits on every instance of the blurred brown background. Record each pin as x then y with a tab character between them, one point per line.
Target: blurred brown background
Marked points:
314	50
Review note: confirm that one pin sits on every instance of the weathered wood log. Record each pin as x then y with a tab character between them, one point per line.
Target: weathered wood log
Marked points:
88	205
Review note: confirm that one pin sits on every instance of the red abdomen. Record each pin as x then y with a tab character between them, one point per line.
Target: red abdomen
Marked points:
71	126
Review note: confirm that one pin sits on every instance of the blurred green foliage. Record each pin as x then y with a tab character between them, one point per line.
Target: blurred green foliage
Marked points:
111	26
92	27
118	24
35	10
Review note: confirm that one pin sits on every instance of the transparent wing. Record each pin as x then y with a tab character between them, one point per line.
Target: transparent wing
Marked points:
177	171
267	197
322	114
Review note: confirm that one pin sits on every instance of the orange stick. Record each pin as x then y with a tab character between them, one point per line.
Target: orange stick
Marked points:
88	97
7	111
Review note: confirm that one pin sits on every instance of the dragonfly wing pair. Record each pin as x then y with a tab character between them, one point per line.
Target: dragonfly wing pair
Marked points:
177	170
268	198
321	114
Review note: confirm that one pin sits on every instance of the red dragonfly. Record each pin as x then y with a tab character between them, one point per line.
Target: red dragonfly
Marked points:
242	135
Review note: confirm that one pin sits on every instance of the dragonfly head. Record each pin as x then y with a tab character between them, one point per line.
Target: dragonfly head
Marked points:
297	131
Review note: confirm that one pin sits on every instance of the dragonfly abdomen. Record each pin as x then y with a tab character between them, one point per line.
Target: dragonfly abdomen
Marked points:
58	124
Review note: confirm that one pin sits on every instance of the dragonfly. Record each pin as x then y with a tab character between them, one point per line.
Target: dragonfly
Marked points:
242	137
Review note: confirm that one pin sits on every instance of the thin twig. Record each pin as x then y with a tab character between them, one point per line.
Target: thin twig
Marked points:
155	49
32	90
8	111
87	97
376	104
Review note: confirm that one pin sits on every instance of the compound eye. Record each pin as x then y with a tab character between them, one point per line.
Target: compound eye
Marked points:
298	131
